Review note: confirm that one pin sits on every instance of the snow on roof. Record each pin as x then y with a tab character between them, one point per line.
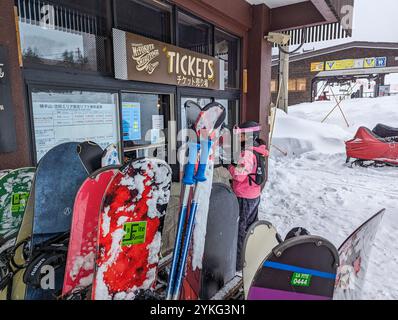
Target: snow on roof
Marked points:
341	47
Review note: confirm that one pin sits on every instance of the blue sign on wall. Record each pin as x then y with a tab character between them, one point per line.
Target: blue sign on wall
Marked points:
381	62
131	113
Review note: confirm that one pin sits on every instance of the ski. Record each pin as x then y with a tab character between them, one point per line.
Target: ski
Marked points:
206	127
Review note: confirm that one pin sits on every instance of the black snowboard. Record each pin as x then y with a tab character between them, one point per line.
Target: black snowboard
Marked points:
300	268
59	175
90	154
219	259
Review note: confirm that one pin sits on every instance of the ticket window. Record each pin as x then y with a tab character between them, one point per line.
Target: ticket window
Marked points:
145	120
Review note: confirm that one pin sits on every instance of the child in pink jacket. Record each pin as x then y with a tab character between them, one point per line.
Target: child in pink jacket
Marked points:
248	177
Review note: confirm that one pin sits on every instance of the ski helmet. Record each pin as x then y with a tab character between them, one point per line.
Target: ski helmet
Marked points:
249	127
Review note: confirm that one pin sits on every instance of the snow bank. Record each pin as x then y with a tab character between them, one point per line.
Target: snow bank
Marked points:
313	188
359	112
297	136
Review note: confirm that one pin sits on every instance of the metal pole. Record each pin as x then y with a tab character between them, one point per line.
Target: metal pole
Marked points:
283	101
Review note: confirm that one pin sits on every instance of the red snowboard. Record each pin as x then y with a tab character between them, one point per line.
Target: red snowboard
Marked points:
130	228
84	230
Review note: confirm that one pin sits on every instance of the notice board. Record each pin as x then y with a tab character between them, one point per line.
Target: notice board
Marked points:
56	123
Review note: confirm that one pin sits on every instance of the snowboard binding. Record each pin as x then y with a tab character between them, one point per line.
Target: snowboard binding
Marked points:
51	253
78	294
6	273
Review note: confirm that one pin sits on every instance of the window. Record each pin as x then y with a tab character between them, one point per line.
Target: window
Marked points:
194	34
232	107
202	102
151	19
144	119
71	35
297	85
73	115
274	85
227	49
301	84
292	85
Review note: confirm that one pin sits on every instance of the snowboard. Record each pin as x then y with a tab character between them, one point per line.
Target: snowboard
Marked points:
90	154
84	230
129	232
219	258
300	268
261	238
20	256
14	192
4	172
59	175
110	156
354	256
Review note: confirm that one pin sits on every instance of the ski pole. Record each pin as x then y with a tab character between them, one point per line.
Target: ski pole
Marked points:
188	181
199	177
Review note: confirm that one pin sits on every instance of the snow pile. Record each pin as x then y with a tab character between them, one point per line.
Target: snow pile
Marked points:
313	188
358	112
297	136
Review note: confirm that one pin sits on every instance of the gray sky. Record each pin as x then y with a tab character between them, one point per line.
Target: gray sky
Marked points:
374	20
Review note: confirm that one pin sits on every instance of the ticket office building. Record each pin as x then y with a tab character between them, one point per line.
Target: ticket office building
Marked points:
77	79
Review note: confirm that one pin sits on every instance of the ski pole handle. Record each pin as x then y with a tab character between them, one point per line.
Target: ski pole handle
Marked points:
205	147
189	171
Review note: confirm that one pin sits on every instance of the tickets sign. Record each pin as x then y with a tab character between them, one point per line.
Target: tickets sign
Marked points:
139	58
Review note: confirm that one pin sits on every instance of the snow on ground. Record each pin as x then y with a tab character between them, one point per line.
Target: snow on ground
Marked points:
313	188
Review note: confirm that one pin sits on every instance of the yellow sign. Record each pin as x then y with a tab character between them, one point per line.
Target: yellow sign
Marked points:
340	64
378	62
317	66
369	63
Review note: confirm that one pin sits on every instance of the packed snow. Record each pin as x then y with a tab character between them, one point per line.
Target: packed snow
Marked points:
312	187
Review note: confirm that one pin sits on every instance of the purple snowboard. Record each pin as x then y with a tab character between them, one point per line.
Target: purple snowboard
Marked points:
300	268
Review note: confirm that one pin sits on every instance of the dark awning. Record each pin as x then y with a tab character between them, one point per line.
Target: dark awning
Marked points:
336	22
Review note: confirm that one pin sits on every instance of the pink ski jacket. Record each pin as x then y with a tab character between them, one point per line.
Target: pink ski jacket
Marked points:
247	164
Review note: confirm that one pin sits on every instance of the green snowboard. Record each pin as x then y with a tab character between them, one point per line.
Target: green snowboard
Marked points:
14	192
4	172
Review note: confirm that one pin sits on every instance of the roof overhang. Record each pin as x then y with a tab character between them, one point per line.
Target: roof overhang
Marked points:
302	14
322	20
275	3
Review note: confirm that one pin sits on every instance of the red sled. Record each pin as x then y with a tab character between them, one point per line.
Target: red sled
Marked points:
378	147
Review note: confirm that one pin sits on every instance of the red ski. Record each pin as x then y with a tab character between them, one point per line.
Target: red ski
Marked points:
130	228
84	230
